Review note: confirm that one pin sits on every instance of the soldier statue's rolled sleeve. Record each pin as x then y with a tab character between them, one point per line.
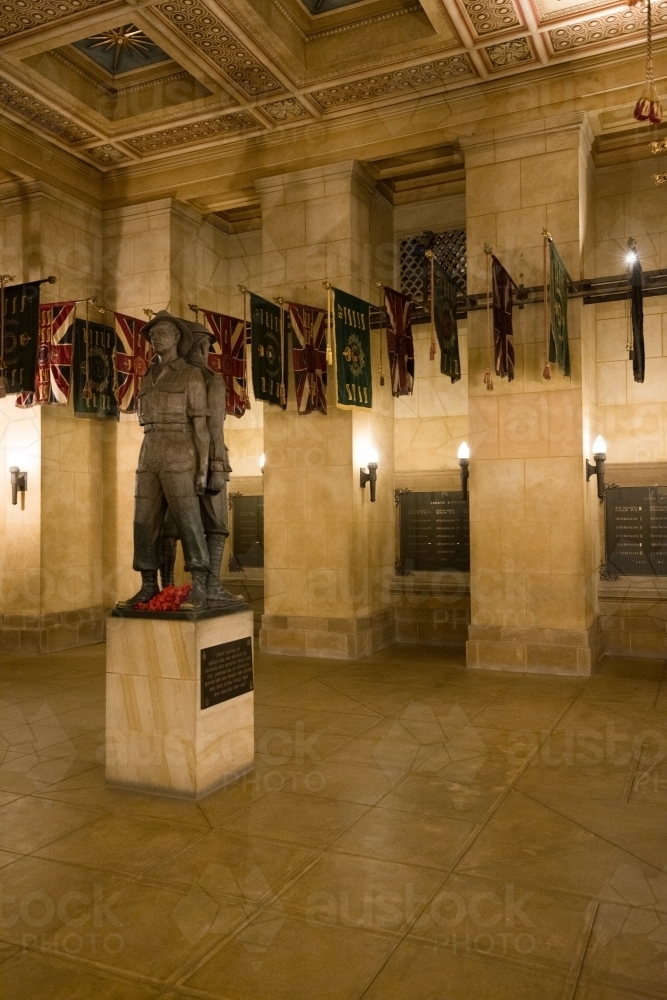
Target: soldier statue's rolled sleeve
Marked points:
174	454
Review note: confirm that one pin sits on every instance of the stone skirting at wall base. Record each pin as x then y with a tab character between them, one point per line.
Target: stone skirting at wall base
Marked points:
338	638
432	626
535	650
634	617
48	633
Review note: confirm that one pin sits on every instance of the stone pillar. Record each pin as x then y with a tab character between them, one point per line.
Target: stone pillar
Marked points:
533	518
329	552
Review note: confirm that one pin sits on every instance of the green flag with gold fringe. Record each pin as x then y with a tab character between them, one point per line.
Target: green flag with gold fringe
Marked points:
94	385
559	346
20	336
268	355
353	350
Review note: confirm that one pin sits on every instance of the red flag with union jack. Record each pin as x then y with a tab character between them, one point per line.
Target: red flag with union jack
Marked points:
227	358
132	358
399	342
54	356
309	353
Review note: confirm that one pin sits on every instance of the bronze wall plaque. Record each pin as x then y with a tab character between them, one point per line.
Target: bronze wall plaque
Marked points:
636	530
249	531
434	532
226	671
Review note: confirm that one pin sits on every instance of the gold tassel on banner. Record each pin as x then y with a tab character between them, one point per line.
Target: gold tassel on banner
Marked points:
547	367
488	378
244	292
87	390
283	360
431	256
195	309
4	280
648	108
330	327
383	330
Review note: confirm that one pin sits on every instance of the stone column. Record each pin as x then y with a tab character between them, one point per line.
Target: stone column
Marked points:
329	552
533	518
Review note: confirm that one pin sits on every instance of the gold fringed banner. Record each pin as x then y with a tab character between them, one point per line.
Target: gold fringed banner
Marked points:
383	329
488	378
547	367
246	338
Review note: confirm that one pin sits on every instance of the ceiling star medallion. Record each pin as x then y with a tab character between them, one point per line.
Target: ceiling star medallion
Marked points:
120	40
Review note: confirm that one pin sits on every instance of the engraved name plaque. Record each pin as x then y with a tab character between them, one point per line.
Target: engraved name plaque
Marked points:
435	532
249	531
226	671
636	530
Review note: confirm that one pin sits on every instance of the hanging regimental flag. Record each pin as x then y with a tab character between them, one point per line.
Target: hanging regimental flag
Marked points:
21	336
637	307
54	356
309	354
559	347
94	375
400	345
133	355
353	350
503	336
269	368
444	312
227	358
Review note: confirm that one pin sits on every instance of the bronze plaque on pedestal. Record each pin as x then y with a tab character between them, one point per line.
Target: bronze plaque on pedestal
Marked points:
226	671
636	530
435	532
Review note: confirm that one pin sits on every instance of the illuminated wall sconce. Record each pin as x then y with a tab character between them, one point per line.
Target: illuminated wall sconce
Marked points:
262	462
600	455
371	475
19	481
464	463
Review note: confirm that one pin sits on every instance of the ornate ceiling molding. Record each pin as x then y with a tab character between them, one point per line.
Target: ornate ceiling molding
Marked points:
488	16
286	110
505	54
107	155
193	132
22	15
210	36
29	107
605	28
398	82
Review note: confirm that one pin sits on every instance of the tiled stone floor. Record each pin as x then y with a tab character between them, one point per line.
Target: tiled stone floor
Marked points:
411	830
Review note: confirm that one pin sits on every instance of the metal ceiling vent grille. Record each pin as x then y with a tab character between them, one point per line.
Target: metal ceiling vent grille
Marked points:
450	251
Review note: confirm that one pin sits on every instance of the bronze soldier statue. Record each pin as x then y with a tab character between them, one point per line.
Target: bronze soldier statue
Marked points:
213	502
173	467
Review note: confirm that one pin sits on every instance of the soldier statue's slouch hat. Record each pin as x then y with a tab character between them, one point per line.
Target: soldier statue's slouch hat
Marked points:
186	341
199	332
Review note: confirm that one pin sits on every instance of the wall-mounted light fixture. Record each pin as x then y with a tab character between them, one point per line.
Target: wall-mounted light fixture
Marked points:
600	455
262	462
19	481
464	463
371	475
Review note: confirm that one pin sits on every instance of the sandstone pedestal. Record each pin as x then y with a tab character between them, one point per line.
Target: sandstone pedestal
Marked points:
175	722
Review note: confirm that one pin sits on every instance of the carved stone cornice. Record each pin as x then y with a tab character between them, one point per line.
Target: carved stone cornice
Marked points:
220	126
408	80
17	16
28	107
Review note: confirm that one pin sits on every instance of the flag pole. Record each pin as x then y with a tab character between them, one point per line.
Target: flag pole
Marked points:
327	285
383	329
546	236
431	256
488	378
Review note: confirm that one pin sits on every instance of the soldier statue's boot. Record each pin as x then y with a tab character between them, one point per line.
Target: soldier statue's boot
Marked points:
149	589
197	599
168	561
216	595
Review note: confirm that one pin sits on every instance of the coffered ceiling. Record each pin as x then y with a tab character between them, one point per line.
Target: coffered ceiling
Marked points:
191	75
